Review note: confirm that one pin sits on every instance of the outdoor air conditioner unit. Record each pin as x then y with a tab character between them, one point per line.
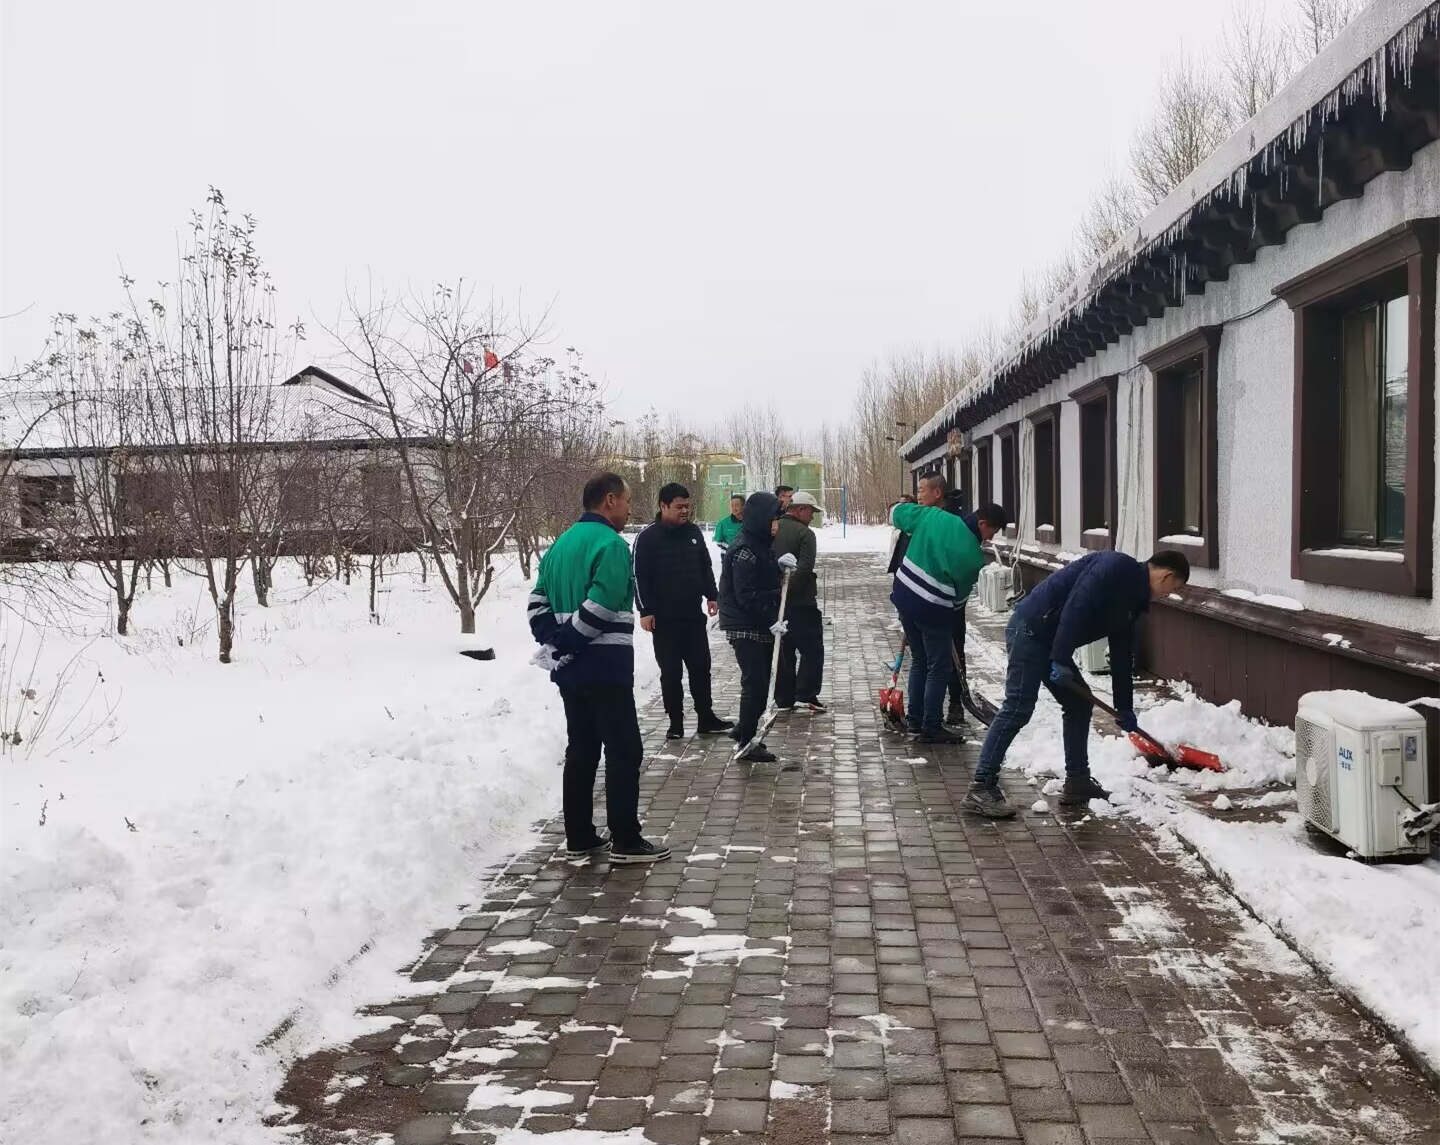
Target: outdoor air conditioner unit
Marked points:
1095	656
1360	771
995	582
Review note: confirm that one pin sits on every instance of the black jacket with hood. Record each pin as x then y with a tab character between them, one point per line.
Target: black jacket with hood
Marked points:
749	574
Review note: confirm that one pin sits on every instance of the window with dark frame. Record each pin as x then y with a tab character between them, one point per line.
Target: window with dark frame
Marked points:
300	495
144	496
1045	449
1374	360
1009	475
380	490
45	499
967	483
985	474
1186	505
1362	485
1096	404
217	497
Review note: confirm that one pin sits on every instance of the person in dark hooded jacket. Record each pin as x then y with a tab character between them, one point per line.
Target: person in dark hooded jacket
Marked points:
749	610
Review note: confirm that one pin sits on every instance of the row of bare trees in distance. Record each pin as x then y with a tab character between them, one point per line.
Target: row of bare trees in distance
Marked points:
162	436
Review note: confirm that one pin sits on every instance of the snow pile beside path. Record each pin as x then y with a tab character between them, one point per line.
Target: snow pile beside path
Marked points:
342	783
1254	753
1374	930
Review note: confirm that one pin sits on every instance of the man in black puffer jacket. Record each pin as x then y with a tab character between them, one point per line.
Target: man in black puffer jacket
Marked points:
672	576
749	607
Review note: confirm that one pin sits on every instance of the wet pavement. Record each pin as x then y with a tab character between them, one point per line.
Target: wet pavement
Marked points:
837	953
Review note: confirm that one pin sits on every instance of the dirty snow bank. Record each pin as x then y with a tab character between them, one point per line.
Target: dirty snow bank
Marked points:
1373	929
342	783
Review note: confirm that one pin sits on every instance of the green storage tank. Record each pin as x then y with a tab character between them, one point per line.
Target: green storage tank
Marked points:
808	474
724	476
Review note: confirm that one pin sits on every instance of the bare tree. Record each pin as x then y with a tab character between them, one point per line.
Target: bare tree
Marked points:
1112	211
761	437
1317	22
462	396
214	354
1255	61
1189	122
119	516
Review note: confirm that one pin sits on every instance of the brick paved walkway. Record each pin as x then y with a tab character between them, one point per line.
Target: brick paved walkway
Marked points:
836	953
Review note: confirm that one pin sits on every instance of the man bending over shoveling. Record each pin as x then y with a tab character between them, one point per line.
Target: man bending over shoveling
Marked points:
1100	595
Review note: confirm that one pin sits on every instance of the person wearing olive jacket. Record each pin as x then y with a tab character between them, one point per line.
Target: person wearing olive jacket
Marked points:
804	638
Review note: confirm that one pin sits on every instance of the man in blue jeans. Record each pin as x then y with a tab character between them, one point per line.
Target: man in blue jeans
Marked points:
1101	595
939	567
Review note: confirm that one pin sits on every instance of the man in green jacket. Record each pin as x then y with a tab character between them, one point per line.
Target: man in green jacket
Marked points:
727	529
581	614
941	564
805	634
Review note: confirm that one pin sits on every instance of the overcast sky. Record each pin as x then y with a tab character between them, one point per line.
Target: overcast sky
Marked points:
719	202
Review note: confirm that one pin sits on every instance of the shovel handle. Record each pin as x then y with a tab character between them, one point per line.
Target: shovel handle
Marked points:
1079	687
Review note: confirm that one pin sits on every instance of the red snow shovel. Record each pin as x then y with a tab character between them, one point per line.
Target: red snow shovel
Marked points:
1151	750
892	699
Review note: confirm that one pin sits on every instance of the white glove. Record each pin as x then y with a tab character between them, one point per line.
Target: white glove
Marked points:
787	561
547	660
780	627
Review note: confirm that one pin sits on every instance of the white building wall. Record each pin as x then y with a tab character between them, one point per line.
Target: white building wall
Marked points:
1255	404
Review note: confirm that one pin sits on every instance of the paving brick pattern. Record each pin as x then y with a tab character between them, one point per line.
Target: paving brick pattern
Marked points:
838	953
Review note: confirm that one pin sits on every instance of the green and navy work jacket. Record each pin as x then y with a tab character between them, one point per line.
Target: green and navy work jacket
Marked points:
941	564
581	605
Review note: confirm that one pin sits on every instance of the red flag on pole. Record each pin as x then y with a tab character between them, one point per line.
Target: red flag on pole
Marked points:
491	361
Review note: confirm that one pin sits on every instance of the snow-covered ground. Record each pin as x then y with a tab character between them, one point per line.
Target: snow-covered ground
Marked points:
1373	929
192	851
855	538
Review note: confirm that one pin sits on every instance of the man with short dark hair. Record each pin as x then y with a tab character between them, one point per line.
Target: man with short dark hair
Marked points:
728	528
580	615
784	493
1100	595
805	634
673	577
985	523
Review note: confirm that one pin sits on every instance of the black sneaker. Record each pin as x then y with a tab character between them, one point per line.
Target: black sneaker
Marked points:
759	754
640	851
1078	791
814	707
714	725
790	707
597	846
955	715
676	731
988	800
943	736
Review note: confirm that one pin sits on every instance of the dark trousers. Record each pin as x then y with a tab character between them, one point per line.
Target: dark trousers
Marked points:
957	639
754	657
931	666
1027	669
683	643
601	716
805	640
